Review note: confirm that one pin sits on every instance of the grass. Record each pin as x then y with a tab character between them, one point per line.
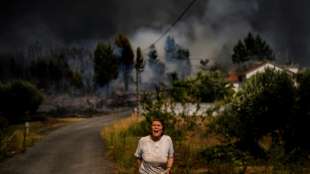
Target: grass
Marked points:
121	139
121	144
17	141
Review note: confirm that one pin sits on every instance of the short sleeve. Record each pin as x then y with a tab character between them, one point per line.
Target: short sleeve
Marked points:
138	152
171	149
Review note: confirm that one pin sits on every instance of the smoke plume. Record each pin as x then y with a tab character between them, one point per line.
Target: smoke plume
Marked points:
209	30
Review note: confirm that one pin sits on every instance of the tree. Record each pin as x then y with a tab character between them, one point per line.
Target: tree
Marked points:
19	98
184	65
52	71
263	106
106	65
211	86
300	123
252	48
240	53
170	48
153	55
207	86
178	57
156	66
126	56
184	91
139	65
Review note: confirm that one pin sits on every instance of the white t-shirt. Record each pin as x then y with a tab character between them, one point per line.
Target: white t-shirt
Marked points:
154	152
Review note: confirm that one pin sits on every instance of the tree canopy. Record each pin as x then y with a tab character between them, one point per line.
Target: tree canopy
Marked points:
139	65
126	57
18	98
106	65
207	86
263	106
252	48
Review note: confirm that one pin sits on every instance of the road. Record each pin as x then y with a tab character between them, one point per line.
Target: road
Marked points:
74	149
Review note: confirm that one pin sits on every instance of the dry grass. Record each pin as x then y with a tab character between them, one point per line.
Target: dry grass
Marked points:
121	145
120	126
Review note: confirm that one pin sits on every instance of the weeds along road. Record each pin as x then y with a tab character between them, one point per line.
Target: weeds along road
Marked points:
74	149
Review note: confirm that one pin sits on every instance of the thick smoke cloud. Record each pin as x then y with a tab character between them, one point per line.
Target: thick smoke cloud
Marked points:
71	21
287	25
209	30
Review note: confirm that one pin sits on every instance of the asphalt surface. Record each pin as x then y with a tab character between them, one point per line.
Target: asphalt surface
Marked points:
74	149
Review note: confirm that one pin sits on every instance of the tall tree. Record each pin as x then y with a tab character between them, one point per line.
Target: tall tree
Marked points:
263	106
106	65
126	57
252	48
240	53
153	55
139	65
156	66
184	66
170	48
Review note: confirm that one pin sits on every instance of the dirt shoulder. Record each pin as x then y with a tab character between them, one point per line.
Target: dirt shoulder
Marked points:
76	149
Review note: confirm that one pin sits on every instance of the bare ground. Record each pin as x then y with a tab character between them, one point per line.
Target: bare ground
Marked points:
74	149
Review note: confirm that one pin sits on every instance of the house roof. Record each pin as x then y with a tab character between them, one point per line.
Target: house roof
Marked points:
254	67
234	75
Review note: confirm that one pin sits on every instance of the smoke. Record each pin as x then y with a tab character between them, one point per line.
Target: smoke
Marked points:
209	30
286	24
209	36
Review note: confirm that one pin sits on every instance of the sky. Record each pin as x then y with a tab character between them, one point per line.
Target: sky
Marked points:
208	30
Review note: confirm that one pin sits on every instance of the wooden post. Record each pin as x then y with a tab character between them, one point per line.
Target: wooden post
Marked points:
138	91
26	132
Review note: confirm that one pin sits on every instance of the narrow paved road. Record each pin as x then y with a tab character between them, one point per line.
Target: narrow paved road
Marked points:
74	149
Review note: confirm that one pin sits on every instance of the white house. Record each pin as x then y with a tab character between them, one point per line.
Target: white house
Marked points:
261	68
238	78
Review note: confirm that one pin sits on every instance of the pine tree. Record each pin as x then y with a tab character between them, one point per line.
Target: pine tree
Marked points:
252	49
127	57
106	65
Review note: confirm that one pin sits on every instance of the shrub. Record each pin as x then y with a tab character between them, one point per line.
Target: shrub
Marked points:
3	125
264	105
211	86
19	98
223	154
207	86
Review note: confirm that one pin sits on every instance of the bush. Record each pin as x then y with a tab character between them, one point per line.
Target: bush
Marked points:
223	154
19	98
3	125
207	86
212	85
264	105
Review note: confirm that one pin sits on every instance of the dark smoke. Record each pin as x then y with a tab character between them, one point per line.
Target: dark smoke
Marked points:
209	30
287	24
71	21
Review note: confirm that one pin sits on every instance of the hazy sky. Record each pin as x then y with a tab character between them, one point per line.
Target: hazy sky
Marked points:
209	30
